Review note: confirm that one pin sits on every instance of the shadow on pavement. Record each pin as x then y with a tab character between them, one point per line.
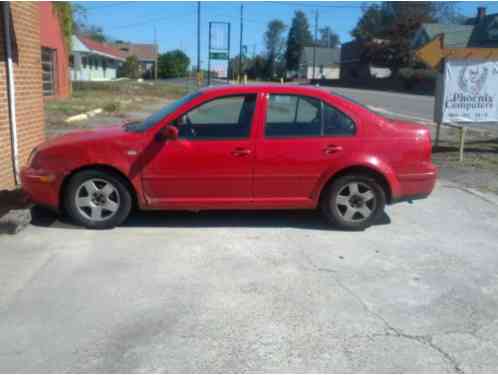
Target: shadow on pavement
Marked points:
302	219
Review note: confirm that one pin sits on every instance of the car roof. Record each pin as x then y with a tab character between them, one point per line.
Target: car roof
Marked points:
272	87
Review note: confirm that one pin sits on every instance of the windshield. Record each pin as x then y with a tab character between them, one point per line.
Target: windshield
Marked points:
153	119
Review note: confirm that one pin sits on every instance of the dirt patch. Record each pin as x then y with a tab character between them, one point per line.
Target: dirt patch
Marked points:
479	169
119	100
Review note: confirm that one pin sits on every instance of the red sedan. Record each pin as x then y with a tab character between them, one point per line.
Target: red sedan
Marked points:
238	147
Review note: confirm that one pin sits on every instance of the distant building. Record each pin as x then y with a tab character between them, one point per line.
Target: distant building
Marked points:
93	61
54	54
21	94
326	63
479	31
146	54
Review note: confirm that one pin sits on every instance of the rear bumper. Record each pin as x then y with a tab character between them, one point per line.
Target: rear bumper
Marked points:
42	187
416	185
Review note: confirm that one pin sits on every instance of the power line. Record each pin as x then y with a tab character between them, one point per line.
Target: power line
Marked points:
146	21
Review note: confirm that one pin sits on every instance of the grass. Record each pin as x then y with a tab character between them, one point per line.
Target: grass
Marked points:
113	97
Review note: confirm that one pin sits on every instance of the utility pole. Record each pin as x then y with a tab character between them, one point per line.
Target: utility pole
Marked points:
241	31
157	53
198	37
314	44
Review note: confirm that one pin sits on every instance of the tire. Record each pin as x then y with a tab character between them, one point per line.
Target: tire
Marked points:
97	199
350	208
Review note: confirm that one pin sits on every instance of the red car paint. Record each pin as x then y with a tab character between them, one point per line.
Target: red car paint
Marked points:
256	172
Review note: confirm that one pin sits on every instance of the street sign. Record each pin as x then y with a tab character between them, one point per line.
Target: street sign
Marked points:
470	92
218	55
434	52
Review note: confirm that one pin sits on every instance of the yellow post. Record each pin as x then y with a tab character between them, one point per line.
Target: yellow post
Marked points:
462	142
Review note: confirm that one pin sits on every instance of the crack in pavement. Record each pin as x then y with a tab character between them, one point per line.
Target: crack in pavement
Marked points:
390	329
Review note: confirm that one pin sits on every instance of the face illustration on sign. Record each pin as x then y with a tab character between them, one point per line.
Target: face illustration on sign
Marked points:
472	79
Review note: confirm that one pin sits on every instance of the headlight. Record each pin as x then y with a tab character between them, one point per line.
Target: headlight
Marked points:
32	156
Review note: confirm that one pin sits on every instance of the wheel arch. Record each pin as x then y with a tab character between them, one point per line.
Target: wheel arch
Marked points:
379	176
99	167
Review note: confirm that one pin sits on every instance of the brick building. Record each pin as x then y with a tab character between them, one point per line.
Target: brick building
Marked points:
54	54
21	98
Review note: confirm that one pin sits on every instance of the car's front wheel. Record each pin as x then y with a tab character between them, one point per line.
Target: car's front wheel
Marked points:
97	199
353	202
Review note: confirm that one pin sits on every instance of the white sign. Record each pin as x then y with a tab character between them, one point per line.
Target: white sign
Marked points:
219	35
470	91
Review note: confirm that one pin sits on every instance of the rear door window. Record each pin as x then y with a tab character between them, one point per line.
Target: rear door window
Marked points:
293	115
336	123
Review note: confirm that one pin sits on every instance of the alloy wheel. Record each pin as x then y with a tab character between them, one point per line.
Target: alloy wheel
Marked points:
97	199
355	202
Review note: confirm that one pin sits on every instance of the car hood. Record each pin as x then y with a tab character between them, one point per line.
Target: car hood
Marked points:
114	132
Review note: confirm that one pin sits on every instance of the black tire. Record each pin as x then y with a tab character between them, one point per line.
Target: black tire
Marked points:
337	213
120	198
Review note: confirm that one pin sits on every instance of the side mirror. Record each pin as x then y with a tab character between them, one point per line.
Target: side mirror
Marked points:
169	132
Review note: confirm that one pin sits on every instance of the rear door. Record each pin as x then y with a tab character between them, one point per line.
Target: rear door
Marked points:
299	142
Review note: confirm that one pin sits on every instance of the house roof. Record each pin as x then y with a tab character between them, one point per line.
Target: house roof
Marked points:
485	33
103	49
144	52
324	56
455	36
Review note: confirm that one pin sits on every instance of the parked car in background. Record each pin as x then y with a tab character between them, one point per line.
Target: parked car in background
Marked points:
238	147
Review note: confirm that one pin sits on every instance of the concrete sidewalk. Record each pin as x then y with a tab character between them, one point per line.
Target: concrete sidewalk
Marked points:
272	291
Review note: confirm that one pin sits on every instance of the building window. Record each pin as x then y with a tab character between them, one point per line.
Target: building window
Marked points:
71	61
49	61
84	61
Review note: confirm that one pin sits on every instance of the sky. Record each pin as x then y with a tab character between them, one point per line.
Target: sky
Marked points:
175	23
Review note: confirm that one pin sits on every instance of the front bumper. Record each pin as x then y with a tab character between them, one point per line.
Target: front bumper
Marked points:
42	187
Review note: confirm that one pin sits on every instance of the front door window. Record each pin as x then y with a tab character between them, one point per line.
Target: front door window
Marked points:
222	118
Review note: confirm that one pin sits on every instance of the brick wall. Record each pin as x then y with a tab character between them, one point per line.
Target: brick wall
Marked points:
28	87
51	37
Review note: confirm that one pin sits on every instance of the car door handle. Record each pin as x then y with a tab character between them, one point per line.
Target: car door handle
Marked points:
239	151
330	149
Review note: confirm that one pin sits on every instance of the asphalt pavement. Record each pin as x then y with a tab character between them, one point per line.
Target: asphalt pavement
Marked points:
418	108
257	291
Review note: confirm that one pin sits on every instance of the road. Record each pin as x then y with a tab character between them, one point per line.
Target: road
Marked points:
272	291
411	107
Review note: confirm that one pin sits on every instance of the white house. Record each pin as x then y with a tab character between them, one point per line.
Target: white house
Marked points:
327	63
93	61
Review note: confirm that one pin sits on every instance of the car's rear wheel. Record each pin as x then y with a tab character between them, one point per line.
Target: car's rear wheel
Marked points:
97	199
353	202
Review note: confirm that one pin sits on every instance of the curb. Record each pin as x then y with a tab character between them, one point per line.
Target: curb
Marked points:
84	116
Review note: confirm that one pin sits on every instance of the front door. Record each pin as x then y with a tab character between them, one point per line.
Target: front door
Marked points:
211	163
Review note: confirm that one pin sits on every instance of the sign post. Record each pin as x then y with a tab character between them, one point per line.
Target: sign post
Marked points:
466	87
219	46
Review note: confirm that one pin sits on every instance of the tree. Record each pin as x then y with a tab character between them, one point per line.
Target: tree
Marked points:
274	44
299	37
328	38
91	31
388	28
256	67
131	67
173	64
